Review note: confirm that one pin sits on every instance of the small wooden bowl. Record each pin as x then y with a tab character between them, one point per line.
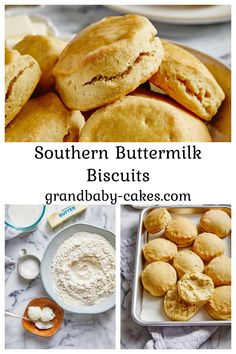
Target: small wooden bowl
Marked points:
44	302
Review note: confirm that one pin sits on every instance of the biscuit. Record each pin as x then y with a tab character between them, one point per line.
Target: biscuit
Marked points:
159	249
176	308
219	269
195	288
22	74
187	261
181	231
156	220
186	79
207	246
219	306
107	60
46	50
45	118
158	277
217	222
143	119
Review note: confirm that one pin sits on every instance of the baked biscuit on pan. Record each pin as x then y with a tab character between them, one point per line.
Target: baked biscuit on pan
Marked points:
181	231
156	220
158	277
187	261
219	269
216	221
159	249
219	306
208	245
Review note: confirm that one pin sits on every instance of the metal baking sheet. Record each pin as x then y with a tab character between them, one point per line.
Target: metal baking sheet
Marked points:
147	310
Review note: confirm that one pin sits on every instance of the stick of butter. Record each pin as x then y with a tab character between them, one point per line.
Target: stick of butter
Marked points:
64	214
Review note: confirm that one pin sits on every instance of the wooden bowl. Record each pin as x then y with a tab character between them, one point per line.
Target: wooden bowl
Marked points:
44	302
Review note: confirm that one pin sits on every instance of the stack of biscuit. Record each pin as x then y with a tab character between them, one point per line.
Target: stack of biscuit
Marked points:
191	278
98	73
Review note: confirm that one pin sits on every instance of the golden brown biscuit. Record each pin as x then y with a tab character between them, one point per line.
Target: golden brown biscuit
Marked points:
143	119
46	50
156	220
176	308
195	288
187	261
217	222
181	231
158	277
22	73
207	246
219	269
159	249
45	118
107	60
183	77
219	306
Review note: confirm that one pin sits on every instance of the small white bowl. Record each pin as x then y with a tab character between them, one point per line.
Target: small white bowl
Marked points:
46	268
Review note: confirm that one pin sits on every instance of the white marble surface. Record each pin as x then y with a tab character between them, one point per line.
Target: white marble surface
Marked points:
134	336
77	331
212	39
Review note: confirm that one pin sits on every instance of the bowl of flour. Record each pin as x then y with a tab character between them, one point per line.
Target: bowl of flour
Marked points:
78	269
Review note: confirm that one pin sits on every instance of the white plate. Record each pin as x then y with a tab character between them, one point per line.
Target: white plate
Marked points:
180	14
46	268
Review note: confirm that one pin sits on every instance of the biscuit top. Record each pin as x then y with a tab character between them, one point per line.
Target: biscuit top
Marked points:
181	228
156	220
137	118
104	37
32	44
187	261
217	222
221	300
159	249
209	244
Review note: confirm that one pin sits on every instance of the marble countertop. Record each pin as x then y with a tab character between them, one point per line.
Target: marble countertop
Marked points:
77	331
214	39
134	336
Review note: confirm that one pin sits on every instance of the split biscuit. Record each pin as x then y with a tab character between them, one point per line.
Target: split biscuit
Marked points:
176	308
208	246
159	249
219	306
186	79
216	221
45	119
219	269
187	261
158	277
46	50
156	220
181	231
22	74
107	60
195	288
144	119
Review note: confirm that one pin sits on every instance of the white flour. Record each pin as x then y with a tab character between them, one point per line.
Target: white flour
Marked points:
84	269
